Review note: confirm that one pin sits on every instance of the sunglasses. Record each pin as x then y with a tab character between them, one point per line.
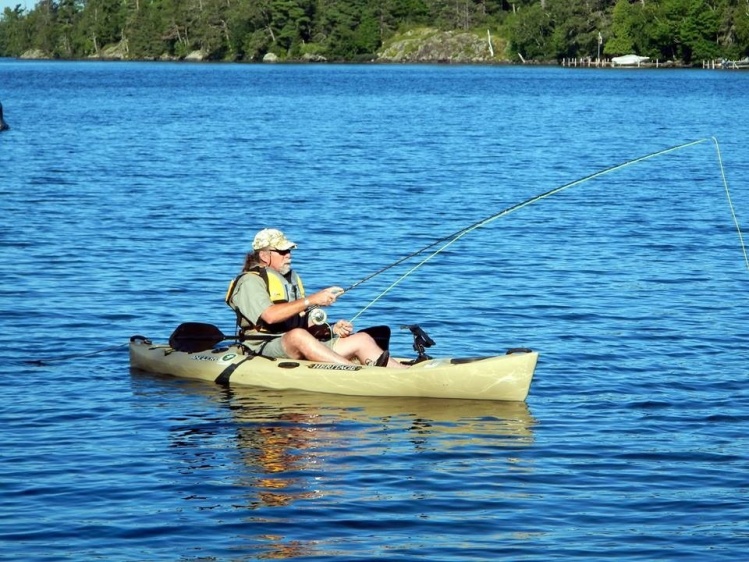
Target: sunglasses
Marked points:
282	252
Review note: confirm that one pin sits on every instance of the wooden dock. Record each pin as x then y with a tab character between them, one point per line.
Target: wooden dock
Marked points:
589	62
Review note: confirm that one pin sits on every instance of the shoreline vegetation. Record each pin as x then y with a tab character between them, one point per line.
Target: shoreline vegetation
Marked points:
662	33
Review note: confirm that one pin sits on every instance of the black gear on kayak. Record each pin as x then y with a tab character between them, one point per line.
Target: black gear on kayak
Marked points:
196	336
421	342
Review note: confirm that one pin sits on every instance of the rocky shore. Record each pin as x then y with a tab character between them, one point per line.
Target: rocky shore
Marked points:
423	45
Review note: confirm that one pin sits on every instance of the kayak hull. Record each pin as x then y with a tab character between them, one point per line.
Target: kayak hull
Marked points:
503	377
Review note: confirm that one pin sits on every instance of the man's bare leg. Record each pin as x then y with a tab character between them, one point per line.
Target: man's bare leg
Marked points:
300	344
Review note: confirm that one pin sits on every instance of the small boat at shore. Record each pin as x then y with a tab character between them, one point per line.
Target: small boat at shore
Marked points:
501	377
629	60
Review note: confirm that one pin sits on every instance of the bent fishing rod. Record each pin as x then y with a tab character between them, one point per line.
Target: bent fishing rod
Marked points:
455	236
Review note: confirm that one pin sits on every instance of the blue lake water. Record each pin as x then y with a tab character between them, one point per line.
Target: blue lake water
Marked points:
130	193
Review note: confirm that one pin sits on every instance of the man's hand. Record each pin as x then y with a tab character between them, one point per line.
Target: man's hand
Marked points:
343	328
326	297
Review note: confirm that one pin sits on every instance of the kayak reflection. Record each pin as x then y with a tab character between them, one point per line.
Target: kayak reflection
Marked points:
281	447
292	441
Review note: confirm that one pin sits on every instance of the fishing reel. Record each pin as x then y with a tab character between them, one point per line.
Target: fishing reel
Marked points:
421	341
317	316
317	324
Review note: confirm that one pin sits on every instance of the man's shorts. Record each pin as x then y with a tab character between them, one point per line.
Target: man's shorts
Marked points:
274	348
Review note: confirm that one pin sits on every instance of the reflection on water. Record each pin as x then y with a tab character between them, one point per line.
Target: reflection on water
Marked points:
292	439
276	460
290	442
277	453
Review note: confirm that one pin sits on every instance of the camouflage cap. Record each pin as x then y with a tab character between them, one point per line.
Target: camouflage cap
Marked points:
272	239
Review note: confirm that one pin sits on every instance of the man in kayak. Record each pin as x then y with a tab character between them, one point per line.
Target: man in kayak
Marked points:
273	310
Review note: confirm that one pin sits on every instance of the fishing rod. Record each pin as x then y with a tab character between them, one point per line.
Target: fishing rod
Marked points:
463	231
455	236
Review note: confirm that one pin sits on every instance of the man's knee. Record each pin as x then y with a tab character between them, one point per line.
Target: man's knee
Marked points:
295	341
297	334
298	339
365	340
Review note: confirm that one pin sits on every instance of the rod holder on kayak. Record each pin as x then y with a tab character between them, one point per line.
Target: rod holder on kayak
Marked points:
421	341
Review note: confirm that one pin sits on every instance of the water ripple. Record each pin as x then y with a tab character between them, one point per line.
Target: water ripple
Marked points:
632	443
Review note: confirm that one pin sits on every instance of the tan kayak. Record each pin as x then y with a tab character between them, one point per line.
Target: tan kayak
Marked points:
501	377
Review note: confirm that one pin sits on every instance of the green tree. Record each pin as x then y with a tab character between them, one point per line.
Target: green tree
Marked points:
14	35
575	27
210	29
348	30
621	41
100	24
42	29
687	30
530	31
739	39
406	13
179	17
458	14
698	32
653	31
238	27
145	30
67	16
257	17
292	22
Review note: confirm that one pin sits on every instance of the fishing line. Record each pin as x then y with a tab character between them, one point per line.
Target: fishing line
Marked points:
730	203
460	233
452	238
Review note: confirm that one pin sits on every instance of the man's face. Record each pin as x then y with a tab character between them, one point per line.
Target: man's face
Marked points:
280	260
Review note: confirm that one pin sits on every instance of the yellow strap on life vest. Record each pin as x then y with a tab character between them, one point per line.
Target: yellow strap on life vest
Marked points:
273	283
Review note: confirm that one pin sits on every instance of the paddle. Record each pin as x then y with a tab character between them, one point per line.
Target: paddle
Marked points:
196	336
192	337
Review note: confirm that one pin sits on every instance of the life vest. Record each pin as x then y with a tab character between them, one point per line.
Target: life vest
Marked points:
281	288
